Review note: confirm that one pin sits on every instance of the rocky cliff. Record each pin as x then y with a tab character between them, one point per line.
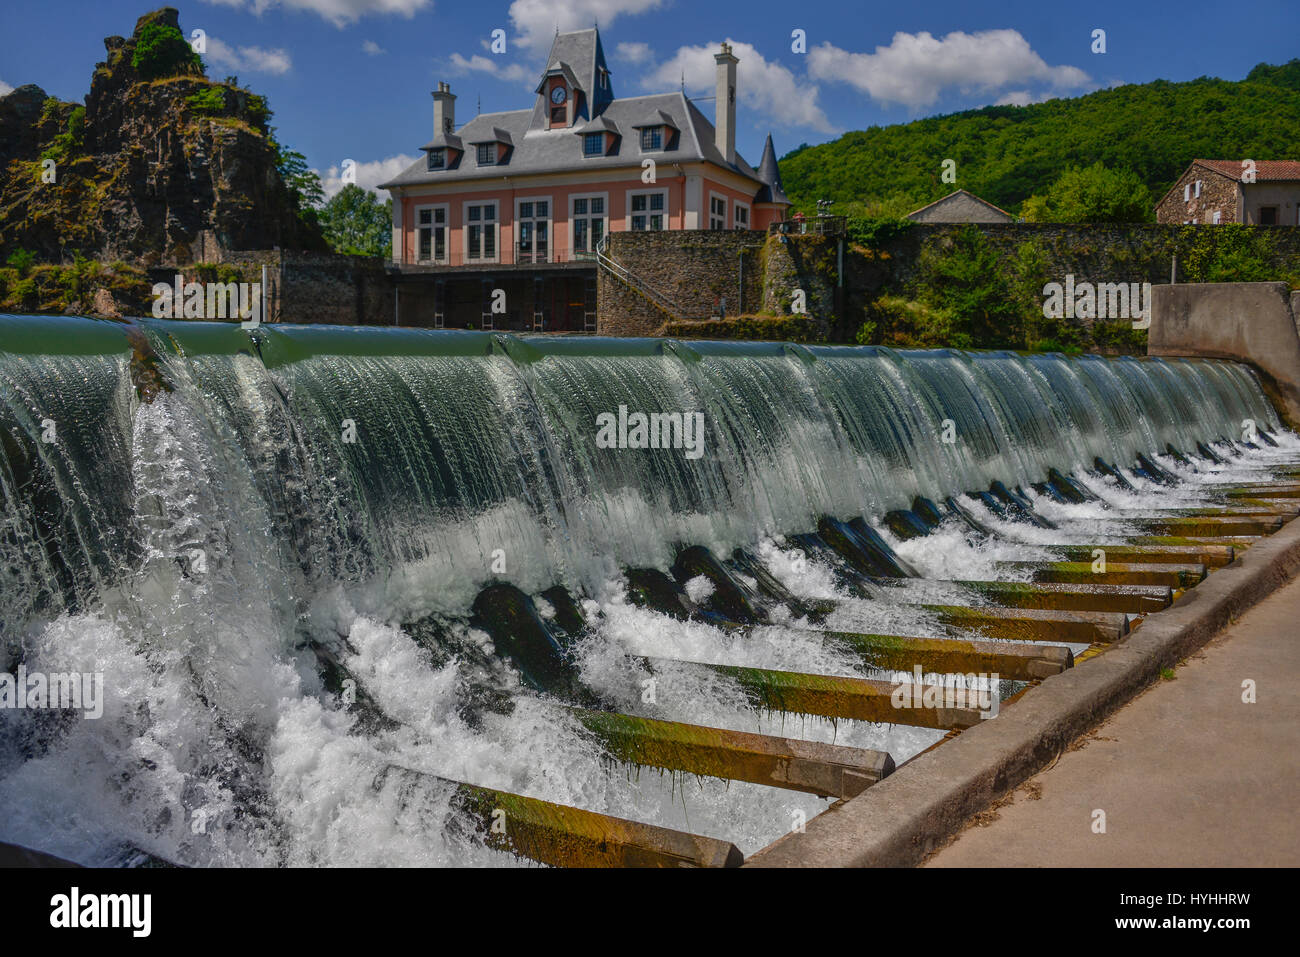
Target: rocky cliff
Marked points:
161	166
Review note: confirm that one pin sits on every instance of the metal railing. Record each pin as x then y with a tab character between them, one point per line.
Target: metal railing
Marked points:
819	226
518	256
630	279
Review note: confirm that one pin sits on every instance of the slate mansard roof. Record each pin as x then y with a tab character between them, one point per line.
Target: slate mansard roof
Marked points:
536	149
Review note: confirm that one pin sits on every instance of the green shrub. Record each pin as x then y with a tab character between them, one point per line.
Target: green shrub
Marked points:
258	110
162	51
1120	337
796	328
1232	252
24	293
212	99
77	123
915	323
21	260
874	232
964	284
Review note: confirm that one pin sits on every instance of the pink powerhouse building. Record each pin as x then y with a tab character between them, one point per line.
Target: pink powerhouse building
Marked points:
527	195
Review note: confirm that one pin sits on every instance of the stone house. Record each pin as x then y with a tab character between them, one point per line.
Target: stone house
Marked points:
1256	192
960	207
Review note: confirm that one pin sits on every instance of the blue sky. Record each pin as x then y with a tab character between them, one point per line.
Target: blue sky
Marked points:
350	79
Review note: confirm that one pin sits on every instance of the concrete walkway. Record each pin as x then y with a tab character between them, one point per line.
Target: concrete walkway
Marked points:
1187	774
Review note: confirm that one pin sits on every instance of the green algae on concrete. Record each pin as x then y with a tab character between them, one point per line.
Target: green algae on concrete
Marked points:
1181	575
824	769
832	696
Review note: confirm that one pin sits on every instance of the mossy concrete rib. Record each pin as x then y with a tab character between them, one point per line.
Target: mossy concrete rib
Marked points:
1075	597
904	818
1024	662
1286	490
565	836
1035	624
831	696
828	770
1172	575
1213	556
1211	526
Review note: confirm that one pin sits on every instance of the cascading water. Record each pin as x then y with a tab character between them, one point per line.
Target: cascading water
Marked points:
246	536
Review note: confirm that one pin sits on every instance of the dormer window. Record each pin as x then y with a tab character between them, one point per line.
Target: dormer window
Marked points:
487	154
593	144
437	159
652	138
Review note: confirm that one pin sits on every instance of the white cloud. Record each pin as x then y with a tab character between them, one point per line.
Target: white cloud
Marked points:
1023	98
633	52
371	48
5	88
495	66
369	175
338	12
535	21
915	69
770	91
248	59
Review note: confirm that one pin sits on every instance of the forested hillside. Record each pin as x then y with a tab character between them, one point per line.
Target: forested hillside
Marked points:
1006	154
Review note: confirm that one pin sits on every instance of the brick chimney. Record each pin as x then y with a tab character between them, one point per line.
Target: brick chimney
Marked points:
725	104
444	110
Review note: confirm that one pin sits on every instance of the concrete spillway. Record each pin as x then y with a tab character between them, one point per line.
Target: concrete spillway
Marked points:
352	591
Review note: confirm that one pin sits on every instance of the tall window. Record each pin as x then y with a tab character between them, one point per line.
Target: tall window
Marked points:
481	232
534	230
588	222
431	234
717	212
437	159
487	154
593	144
647	211
652	138
742	216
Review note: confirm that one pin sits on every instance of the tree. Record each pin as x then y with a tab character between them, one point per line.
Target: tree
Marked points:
302	182
1092	195
355	222
161	50
964	283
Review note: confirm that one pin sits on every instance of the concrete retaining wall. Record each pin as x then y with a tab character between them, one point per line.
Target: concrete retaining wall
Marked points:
1251	322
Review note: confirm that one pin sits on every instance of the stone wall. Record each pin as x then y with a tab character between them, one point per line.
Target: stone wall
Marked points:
335	289
1218	193
695	270
302	287
319	287
1118	252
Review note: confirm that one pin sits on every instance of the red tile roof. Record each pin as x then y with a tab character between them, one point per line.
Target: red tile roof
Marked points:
1265	170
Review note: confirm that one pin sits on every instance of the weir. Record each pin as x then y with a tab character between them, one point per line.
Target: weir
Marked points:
322	569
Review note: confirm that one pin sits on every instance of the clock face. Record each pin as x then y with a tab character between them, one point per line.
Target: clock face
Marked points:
558	95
